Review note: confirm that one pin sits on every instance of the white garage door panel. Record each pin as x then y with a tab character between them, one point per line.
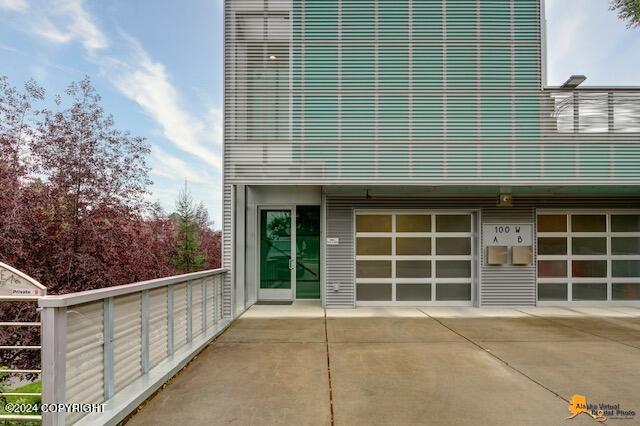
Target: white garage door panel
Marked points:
414	258
588	257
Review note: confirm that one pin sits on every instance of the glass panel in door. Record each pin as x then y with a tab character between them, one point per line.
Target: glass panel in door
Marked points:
307	252
275	254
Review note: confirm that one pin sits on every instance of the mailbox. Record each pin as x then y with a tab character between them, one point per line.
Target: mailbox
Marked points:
497	255
522	255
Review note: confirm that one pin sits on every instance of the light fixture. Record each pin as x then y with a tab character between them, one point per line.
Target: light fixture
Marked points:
273	57
505	200
574	81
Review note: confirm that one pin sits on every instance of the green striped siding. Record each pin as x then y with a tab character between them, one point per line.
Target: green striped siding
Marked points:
411	91
358	114
358	19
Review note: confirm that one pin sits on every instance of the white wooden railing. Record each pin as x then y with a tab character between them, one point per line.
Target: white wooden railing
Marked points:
108	350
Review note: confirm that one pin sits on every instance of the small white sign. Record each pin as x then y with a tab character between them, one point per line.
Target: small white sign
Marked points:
25	292
333	241
508	234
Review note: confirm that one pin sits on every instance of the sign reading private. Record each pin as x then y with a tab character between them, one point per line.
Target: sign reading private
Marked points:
17	285
507	234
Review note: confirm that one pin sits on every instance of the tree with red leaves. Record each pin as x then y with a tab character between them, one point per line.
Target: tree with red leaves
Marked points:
73	209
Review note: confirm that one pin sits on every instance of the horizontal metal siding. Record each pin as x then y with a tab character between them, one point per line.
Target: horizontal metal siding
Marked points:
227	251
127	340
413	91
508	285
85	355
157	326
339	261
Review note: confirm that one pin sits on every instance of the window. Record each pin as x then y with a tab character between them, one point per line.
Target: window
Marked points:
585	257
413	257
261	74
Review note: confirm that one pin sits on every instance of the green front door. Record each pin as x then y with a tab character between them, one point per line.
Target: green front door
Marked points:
288	271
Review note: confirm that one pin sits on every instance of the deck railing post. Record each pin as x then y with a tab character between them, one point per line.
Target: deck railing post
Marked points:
144	305
170	321
189	311
203	287
109	376
215	300
54	350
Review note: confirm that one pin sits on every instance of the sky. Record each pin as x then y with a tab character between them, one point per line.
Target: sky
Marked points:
158	67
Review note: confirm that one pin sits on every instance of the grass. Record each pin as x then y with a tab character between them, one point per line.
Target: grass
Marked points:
35	387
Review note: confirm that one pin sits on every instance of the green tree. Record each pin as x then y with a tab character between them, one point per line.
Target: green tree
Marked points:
188	257
628	10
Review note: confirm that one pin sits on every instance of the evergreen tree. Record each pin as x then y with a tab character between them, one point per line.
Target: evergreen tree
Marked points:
188	256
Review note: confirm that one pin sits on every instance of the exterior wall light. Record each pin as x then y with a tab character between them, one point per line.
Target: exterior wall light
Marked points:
506	200
574	81
273	57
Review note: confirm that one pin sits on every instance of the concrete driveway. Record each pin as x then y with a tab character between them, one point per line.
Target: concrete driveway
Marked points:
300	365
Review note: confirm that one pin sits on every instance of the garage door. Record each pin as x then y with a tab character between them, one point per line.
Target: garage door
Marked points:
414	258
588	257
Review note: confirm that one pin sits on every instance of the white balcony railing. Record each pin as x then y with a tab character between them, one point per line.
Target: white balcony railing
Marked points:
111	348
596	111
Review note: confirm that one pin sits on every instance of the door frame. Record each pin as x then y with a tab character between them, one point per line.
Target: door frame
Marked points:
276	294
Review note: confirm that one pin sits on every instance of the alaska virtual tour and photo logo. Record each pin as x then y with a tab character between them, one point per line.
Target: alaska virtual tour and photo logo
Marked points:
600	412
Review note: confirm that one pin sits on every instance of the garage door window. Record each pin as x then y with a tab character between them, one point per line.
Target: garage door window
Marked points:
585	257
413	258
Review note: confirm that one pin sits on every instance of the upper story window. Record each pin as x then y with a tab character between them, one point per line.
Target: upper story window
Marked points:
262	70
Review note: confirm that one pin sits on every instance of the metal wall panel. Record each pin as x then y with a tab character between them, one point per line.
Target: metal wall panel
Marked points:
84	358
179	316
414	91
508	285
127	340
340	258
227	253
408	92
157	326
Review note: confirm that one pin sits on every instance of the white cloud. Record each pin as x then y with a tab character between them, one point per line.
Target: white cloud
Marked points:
140	78
137	76
216	121
147	83
169	166
63	21
14	5
39	72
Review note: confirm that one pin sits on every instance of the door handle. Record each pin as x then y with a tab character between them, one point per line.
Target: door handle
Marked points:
291	264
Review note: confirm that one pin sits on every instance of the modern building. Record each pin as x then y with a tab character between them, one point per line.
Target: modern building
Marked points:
410	153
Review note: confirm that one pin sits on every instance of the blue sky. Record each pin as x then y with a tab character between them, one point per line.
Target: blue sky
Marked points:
158	66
